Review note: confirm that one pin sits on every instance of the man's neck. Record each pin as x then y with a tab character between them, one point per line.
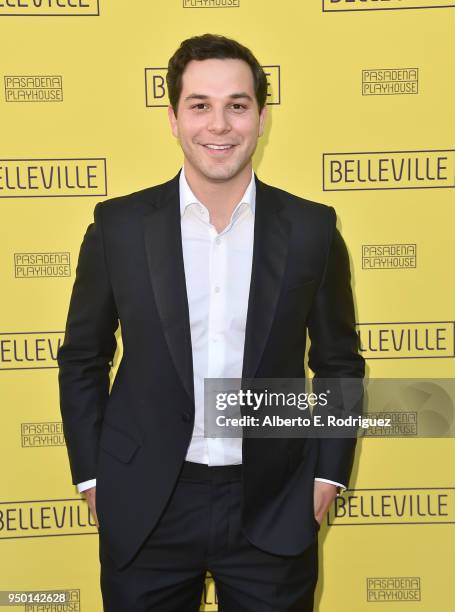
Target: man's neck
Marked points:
219	197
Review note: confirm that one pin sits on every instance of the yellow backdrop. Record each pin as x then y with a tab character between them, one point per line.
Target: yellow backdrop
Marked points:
361	101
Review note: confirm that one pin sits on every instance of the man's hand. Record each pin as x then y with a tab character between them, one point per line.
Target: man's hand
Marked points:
323	495
90	496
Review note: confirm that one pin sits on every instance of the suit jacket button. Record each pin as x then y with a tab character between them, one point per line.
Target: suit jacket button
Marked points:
186	416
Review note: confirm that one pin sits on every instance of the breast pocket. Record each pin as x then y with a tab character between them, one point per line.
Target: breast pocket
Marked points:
296	300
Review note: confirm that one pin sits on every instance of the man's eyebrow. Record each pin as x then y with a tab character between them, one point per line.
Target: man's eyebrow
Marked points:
234	96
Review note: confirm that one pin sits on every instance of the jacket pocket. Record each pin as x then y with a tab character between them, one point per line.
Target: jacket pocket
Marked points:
117	443
302	285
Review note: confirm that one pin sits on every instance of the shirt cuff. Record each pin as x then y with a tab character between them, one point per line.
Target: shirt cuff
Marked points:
87	484
337	484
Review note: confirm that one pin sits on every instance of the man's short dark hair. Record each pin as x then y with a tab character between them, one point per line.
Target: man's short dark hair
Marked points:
212	46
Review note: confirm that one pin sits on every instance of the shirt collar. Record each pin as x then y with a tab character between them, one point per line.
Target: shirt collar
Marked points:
187	197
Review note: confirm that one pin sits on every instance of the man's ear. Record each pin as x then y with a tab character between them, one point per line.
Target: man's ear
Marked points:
262	118
173	121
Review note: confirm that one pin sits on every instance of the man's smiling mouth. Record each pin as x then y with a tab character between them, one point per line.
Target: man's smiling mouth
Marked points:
216	147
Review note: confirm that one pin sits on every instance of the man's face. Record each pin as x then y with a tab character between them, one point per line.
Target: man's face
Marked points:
217	108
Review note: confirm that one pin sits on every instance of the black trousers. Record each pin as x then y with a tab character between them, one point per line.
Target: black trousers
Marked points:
200	530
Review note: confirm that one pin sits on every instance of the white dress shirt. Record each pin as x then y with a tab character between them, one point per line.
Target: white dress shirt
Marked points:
217	274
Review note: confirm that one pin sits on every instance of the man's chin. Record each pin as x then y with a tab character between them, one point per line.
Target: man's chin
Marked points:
221	172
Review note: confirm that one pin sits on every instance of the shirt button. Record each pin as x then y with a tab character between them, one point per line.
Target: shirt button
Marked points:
218	241
217	289
186	416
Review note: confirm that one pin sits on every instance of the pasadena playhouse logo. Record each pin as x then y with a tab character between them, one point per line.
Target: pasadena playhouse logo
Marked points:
38	435
49	8
72	603
396	506
389	256
37	88
41	518
332	6
394	588
390	81
54	264
363	170
29	350
38	178
399	424
156	95
211	3
407	340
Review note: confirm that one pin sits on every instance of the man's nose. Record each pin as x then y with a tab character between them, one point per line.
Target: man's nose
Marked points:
218	121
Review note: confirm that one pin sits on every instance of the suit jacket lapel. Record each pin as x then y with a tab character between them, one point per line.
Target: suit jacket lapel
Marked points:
163	244
270	249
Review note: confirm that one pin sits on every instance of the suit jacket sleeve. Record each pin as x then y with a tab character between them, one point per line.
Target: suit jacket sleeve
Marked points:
85	357
334	351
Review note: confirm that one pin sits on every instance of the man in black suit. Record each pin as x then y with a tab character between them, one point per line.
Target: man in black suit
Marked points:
211	274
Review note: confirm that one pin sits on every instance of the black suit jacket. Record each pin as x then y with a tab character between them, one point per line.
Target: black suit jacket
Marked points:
134	440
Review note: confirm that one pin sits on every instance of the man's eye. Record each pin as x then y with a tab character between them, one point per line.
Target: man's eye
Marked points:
199	106
239	106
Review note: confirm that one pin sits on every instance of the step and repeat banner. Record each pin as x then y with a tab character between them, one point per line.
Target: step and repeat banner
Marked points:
361	97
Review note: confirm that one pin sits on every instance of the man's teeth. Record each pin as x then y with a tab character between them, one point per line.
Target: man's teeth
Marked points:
209	146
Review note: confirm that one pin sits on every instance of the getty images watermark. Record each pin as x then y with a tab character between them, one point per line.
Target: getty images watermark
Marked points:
329	407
